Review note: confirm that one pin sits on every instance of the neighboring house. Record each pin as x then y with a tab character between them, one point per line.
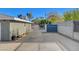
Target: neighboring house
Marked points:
11	26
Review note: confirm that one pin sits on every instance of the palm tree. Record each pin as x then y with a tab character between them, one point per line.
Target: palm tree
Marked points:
20	16
29	15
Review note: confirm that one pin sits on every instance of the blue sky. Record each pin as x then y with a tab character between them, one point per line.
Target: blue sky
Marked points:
37	12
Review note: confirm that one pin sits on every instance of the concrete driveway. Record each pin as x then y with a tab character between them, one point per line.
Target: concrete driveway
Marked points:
38	41
35	41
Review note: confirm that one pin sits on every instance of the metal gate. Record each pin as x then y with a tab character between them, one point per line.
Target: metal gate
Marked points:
51	28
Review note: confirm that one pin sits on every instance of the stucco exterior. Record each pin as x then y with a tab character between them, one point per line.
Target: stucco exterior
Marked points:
19	28
11	26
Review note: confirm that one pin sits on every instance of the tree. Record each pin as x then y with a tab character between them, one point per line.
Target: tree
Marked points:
20	16
54	17
75	15
41	21
67	16
36	21
71	15
29	15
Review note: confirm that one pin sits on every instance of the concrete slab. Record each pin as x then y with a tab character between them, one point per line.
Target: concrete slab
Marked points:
28	47
49	47
39	47
8	46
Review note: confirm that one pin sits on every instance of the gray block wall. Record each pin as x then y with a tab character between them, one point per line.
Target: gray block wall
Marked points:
76	30
70	30
66	28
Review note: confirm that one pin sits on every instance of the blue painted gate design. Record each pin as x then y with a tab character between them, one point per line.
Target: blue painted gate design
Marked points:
51	28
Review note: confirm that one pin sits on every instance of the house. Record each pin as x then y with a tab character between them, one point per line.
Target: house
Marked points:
12	27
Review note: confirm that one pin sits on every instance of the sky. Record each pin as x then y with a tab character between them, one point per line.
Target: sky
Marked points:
36	12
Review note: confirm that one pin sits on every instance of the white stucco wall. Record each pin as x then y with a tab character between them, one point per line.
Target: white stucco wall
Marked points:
28	27
19	28
11	25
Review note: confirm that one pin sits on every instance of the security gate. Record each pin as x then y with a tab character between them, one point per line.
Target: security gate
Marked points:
51	28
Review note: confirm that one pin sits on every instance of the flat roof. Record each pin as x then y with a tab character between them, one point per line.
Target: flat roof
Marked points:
22	20
11	18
